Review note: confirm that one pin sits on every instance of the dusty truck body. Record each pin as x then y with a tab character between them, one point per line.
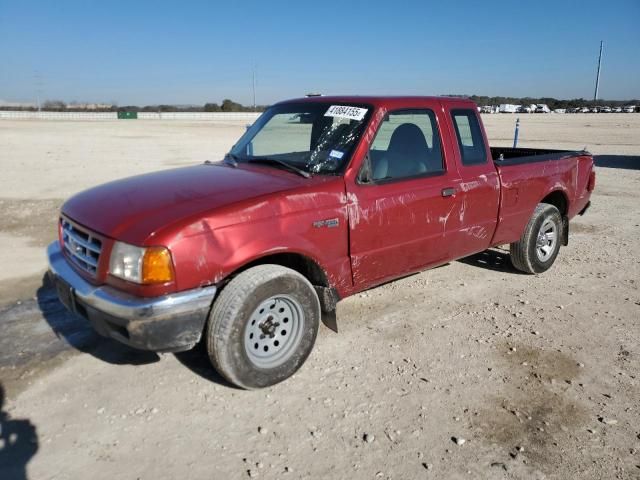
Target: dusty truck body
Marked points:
321	198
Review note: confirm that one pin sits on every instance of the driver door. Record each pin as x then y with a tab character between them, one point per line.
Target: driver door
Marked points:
398	217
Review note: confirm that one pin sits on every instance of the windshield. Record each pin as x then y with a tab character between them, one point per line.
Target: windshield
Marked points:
314	137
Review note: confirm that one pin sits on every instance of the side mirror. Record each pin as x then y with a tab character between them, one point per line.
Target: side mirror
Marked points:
365	176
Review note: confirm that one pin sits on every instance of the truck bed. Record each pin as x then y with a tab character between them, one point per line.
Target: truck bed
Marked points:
528	175
505	156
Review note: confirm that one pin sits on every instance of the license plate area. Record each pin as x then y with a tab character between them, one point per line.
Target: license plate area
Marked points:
65	294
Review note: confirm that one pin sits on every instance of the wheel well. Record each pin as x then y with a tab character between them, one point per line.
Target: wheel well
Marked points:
300	263
559	200
327	295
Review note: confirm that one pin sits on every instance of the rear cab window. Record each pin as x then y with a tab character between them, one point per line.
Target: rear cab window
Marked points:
469	136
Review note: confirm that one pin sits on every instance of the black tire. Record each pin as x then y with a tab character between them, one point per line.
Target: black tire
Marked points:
237	307
525	255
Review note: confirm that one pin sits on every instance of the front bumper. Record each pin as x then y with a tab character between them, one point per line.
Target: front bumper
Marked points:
168	323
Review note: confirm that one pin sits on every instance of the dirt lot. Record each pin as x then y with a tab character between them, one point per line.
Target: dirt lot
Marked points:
539	374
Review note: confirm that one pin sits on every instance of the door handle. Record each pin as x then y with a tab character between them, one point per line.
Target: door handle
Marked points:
448	192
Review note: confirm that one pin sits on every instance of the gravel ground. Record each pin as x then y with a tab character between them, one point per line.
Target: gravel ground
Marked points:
471	370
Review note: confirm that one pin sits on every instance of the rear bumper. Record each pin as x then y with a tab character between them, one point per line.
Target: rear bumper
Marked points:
168	323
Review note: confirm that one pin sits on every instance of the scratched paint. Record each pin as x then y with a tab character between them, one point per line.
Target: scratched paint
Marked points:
444	219
476	231
461	211
371	131
377	210
354	209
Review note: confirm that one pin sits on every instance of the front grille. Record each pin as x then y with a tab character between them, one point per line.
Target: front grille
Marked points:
82	248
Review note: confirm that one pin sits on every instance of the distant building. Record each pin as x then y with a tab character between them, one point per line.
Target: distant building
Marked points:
509	108
5	104
89	106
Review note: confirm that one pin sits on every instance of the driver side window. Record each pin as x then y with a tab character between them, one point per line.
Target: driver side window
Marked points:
406	145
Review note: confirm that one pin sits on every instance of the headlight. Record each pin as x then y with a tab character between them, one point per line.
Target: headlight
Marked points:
141	265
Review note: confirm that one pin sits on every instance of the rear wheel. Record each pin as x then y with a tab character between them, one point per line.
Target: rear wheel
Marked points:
263	326
539	245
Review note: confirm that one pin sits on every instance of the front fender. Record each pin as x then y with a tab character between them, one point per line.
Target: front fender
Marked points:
213	254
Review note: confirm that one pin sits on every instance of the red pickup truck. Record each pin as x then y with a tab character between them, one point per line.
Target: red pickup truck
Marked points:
321	198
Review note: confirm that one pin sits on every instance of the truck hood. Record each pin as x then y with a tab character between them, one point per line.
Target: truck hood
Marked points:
135	208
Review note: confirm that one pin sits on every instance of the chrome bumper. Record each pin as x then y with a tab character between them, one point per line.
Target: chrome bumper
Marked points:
167	323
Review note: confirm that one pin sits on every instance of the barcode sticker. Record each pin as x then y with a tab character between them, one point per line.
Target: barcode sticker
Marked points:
344	111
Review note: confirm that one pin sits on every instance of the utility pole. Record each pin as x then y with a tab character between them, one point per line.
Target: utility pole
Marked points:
595	95
38	82
254	88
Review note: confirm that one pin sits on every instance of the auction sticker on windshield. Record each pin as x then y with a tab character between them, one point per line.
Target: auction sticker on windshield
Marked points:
344	111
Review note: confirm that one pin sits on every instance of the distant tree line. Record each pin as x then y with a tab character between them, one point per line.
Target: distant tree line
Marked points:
228	105
552	103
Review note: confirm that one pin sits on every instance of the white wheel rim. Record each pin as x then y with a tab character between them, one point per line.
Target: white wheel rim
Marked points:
546	240
273	331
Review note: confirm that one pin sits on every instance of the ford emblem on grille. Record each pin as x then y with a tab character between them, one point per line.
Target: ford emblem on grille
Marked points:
82	248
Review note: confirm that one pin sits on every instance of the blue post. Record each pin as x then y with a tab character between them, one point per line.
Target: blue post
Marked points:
515	135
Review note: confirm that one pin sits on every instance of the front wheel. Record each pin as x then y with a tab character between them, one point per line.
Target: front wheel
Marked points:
263	326
539	245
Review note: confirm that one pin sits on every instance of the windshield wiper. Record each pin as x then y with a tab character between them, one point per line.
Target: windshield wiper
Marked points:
293	168
231	159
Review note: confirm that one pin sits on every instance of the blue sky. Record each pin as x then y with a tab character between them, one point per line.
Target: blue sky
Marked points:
181	52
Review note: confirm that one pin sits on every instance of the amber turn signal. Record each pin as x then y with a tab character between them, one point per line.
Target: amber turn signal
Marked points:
157	266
